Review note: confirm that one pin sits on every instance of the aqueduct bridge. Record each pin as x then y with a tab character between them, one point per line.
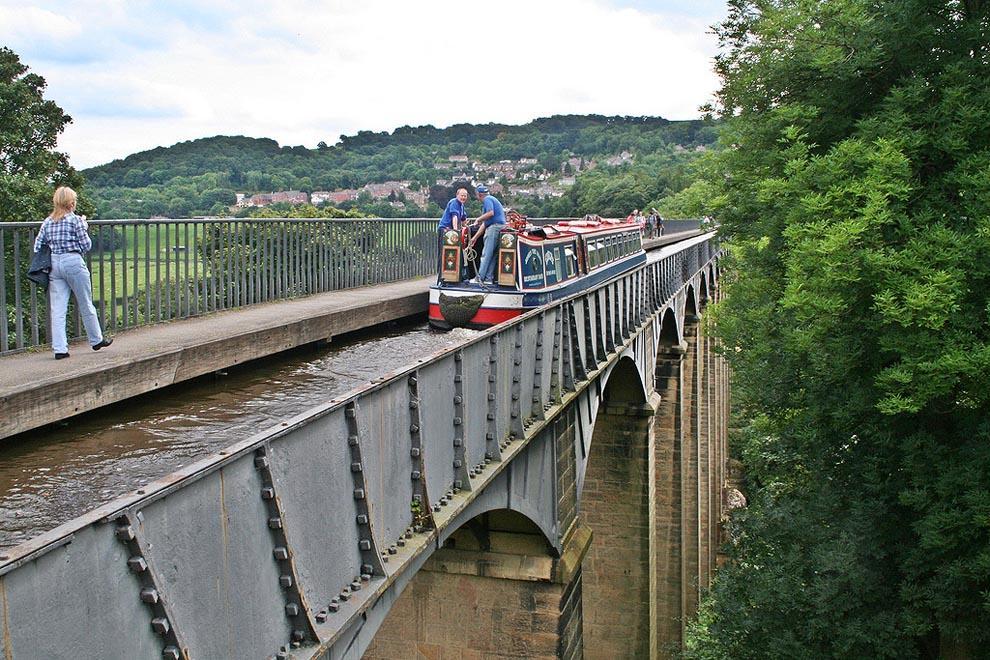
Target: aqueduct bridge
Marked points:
552	488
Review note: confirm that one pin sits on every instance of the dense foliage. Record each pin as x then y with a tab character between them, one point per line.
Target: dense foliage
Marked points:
854	194
30	168
202	176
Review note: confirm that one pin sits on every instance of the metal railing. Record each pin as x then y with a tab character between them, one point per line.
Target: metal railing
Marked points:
150	271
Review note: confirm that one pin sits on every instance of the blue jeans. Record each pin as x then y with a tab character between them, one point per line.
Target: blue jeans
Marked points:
69	273
486	272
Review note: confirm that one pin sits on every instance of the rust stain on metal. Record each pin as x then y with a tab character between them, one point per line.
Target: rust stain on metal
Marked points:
8	648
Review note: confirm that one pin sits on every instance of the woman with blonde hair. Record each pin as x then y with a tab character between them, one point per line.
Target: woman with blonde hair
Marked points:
66	234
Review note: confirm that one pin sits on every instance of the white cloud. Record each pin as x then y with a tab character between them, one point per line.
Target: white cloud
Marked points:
301	72
36	23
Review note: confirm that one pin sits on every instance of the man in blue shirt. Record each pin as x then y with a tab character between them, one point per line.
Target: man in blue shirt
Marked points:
454	214
490	223
453	218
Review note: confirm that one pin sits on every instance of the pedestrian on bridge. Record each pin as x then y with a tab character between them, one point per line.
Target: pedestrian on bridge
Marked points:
652	223
67	236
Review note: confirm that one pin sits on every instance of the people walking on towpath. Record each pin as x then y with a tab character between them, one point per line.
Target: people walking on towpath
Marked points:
66	235
489	224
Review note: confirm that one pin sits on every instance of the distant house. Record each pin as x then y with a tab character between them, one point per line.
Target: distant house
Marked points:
341	196
386	188
567	181
458	158
417	197
319	197
504	167
264	199
290	196
261	199
623	157
575	163
528	161
548	190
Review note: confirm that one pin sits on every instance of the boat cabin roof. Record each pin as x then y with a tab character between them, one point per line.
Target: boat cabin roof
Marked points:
568	228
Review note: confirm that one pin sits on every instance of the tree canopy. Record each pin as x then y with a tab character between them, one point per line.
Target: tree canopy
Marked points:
853	193
30	168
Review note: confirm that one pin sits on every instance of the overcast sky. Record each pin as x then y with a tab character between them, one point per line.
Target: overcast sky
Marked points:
137	75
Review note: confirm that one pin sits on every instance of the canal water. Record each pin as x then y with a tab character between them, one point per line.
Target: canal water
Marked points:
52	475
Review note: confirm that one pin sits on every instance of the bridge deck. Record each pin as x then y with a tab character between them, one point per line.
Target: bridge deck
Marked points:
36	390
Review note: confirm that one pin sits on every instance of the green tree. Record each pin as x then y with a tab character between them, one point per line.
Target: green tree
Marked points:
30	168
855	199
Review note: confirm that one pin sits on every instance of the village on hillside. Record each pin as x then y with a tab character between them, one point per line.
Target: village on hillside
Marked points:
516	179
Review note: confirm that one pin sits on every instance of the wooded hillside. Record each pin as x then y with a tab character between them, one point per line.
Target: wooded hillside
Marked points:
202	176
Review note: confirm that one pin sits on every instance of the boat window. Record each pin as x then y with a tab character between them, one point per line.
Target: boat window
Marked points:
592	255
571	260
554	267
602	255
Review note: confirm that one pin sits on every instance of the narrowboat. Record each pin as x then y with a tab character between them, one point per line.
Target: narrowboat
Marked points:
535	266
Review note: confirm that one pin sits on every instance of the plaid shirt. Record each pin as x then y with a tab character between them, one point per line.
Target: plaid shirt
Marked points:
67	235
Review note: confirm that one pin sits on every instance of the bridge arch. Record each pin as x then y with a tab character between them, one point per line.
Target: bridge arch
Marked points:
514	508
670	333
624	384
501	530
691	307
